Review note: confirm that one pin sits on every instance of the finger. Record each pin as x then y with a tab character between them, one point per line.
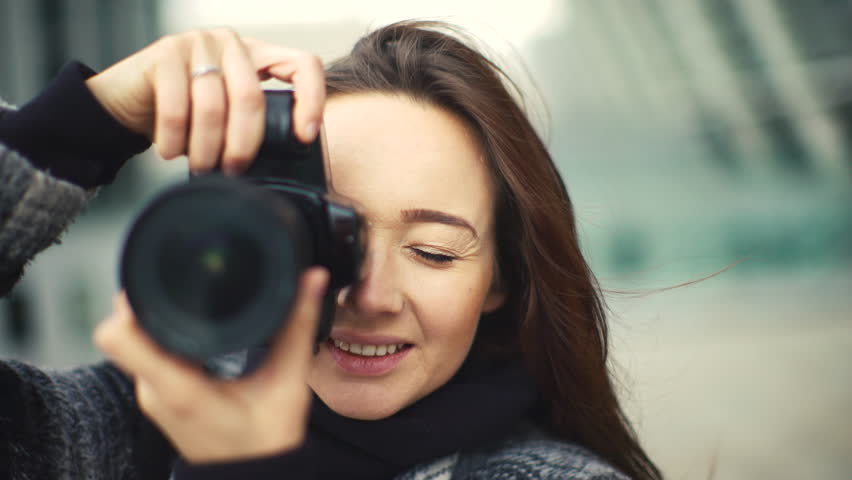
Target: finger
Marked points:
291	353
308	80
305	72
171	97
246	107
129	347
209	107
265	54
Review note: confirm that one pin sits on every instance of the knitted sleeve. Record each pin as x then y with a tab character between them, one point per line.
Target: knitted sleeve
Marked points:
533	455
34	209
68	424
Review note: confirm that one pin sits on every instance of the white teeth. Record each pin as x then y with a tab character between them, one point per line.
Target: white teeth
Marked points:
368	350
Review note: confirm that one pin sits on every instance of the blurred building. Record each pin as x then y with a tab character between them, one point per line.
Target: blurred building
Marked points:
718	129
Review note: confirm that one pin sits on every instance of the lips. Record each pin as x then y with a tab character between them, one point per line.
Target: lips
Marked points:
367	359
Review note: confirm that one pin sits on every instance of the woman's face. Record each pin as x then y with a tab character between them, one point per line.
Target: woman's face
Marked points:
419	177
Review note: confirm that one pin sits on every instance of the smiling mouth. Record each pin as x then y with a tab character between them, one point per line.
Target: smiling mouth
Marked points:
367	350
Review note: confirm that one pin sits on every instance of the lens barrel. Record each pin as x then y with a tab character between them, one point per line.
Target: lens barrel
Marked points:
211	266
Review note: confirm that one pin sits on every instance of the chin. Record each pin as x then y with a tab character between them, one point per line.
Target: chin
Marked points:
364	398
370	413
362	403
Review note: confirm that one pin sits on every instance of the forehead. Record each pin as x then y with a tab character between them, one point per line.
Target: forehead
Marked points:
390	153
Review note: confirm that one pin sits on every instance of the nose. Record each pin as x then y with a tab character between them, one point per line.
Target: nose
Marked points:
377	292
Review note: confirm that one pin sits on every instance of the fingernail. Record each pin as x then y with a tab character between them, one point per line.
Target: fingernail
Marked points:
117	298
104	334
311	131
110	319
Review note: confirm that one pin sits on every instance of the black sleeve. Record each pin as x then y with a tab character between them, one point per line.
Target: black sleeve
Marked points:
65	132
53	153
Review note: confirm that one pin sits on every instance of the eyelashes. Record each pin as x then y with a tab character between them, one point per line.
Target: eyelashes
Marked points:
438	258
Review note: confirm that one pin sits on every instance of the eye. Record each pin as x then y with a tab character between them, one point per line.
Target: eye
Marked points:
433	257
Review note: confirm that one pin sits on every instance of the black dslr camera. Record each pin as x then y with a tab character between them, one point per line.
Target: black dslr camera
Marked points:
211	266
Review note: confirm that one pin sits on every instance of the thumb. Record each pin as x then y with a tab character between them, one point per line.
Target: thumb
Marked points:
292	350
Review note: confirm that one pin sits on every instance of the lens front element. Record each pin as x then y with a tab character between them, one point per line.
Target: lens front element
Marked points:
210	272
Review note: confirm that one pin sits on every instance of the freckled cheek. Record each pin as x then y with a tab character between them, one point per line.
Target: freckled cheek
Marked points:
449	311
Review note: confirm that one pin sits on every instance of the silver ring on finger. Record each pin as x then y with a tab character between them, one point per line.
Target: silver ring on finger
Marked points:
205	69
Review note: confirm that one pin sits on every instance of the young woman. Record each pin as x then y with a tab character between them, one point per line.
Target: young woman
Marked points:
473	346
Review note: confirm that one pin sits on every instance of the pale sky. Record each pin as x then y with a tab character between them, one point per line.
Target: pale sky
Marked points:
329	28
500	22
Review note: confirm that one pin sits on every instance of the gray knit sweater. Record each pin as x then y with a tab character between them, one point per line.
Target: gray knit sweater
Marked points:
82	423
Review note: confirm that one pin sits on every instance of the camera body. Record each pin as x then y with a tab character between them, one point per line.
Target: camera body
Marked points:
211	266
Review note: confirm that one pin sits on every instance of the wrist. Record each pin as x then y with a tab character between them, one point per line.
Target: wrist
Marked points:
247	450
103	87
65	131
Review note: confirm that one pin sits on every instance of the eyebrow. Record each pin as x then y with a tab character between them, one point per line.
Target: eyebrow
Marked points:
426	215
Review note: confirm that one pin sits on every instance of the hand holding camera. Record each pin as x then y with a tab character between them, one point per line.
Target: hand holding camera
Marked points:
199	93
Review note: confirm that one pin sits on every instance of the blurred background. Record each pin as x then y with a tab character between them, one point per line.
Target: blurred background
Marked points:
693	135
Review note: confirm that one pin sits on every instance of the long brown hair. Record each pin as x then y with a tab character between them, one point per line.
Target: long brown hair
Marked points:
554	315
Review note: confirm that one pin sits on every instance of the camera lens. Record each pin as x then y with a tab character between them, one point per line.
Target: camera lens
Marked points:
211	266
